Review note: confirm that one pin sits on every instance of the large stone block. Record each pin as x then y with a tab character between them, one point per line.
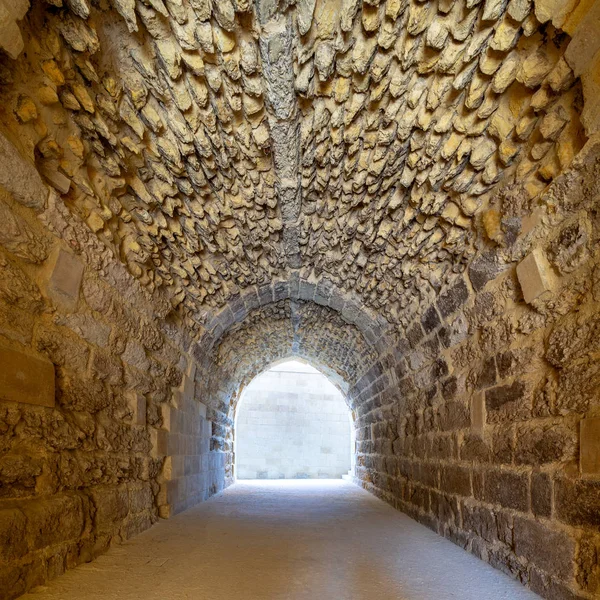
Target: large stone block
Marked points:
478	413
26	378
65	280
12	534
507	488
541	494
456	480
550	549
111	507
533	275
453	415
589	446
160	442
505	402
537	445
137	404
577	503
54	520
141	498
481	521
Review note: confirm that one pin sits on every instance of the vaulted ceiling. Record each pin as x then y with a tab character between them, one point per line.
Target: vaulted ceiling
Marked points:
216	145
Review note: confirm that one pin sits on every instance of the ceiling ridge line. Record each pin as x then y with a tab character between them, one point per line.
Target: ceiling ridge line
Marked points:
276	49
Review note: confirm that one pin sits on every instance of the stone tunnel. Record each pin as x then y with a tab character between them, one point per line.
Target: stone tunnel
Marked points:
403	193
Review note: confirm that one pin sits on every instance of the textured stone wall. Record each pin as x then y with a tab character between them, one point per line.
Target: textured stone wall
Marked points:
217	145
488	430
94	394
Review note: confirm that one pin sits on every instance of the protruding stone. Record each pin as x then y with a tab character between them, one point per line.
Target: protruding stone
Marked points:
26	378
26	110
478	413
306	9
532	272
54	177
65	280
589	446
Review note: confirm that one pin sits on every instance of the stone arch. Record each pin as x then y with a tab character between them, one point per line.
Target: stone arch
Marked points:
312	320
322	291
297	291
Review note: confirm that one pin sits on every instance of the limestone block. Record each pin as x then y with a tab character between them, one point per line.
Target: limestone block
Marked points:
478	413
12	534
55	178
532	273
54	520
166	411
589	446
550	549
112	505
160	442
26	378
20	177
137	404
65	280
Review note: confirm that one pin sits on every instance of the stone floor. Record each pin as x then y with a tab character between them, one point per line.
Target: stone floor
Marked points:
287	540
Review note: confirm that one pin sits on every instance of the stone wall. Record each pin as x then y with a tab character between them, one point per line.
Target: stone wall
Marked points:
292	423
488	430
96	389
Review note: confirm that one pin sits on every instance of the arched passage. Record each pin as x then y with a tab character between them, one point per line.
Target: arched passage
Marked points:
404	193
292	423
311	320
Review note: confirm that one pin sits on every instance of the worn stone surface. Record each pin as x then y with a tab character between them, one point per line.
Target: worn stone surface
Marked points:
590	445
87	375
229	184
65	280
25	378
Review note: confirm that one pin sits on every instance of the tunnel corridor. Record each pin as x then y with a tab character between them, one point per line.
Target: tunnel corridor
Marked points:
402	194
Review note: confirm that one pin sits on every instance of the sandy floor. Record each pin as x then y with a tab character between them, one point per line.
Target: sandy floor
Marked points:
287	540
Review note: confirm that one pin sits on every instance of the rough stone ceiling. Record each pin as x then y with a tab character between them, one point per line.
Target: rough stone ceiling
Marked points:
214	145
301	328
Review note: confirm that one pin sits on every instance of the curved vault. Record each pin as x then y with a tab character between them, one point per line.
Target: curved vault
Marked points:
352	182
298	318
215	146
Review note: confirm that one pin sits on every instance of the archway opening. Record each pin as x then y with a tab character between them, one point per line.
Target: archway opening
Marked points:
292	422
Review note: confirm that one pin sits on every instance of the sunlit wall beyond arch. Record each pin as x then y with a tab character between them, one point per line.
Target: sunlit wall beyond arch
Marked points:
291	423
